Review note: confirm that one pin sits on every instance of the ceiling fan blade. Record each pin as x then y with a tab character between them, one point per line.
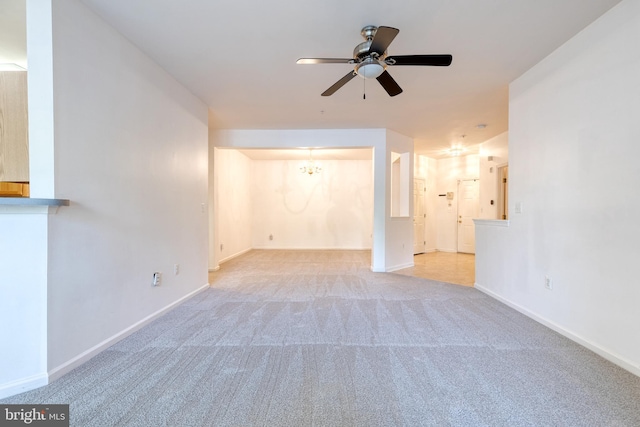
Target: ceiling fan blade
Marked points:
383	38
389	84
337	85
434	60
324	61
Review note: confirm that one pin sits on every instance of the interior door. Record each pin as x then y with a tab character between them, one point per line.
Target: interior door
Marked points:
468	208
419	216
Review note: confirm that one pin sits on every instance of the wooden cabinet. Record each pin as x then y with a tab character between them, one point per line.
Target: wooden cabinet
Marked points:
14	134
14	189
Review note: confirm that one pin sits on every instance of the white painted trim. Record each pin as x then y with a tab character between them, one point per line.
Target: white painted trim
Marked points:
214	269
399	267
230	257
492	222
24	384
68	366
613	358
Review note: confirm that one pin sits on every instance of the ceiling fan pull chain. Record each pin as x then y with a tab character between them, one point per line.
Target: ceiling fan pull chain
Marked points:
364	89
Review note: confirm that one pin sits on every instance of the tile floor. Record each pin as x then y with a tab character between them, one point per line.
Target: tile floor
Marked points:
457	268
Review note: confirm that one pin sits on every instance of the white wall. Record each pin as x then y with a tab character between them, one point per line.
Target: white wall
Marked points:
498	148
23	301
573	155
329	210
233	173
450	170
131	155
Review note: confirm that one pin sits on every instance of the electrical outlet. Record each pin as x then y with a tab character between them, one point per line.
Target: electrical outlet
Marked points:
176	269
548	283
157	279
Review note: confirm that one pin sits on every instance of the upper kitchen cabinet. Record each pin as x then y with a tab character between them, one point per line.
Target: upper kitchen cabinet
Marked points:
14	135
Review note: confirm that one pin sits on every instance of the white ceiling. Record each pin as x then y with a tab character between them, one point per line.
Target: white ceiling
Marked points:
239	58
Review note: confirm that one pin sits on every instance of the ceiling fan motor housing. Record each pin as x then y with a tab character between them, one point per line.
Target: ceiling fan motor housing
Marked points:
369	65
362	50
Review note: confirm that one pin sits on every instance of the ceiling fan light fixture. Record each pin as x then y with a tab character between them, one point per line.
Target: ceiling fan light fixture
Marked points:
369	69
370	60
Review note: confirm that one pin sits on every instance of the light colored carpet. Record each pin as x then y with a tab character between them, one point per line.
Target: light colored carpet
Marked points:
313	338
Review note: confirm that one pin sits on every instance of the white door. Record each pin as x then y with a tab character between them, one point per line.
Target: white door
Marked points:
419	216
468	207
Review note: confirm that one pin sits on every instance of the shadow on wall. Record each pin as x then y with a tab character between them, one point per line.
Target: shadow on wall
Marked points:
297	189
332	208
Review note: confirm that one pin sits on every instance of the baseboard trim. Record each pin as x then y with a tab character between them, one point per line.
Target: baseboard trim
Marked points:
230	257
289	248
24	384
399	267
85	356
611	357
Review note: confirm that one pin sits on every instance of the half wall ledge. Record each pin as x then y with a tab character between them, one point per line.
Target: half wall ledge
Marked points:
26	205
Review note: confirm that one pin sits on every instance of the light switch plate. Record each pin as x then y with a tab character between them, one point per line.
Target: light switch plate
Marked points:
518	207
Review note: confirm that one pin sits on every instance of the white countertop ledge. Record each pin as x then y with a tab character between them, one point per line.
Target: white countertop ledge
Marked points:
27	205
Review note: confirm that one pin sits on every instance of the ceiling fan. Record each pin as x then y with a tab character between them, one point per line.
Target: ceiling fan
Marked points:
371	60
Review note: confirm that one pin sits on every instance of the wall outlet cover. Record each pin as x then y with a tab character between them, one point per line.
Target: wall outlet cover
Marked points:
548	283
